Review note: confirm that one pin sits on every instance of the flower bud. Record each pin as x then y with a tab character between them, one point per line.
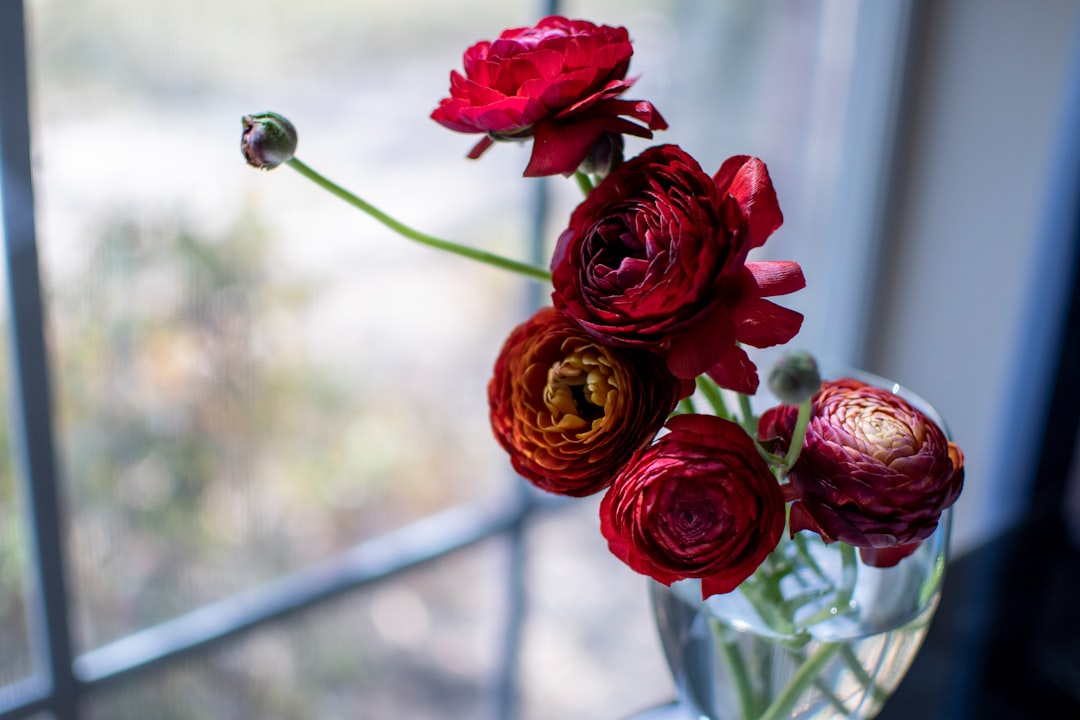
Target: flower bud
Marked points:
268	140
605	155
875	472
795	378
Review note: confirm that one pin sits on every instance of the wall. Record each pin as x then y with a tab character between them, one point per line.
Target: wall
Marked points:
967	292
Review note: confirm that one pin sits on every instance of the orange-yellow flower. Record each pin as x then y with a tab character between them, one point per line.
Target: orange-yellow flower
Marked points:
571	411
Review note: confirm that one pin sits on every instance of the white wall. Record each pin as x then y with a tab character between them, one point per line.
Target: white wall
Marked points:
962	259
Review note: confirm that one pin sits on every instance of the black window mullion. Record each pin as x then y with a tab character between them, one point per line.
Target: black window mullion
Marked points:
50	630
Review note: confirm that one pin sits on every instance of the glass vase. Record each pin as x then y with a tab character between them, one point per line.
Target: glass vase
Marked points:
814	633
851	637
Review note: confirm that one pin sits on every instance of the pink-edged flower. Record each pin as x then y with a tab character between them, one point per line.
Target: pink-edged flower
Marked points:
571	412
656	257
874	472
558	82
698	503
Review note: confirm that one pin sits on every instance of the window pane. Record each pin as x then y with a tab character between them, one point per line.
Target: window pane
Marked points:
774	80
249	374
16	662
424	647
590	647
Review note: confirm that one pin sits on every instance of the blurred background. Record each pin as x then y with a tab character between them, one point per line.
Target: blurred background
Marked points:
251	380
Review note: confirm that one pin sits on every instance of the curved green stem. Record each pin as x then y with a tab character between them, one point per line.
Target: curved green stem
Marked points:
408	232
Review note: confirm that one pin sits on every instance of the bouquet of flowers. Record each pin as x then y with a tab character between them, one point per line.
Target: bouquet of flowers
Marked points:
654	298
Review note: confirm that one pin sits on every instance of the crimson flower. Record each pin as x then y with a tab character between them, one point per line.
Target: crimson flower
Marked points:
656	257
571	412
700	502
558	83
874	472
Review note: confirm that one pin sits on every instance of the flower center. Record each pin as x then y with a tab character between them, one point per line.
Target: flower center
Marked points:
579	388
888	437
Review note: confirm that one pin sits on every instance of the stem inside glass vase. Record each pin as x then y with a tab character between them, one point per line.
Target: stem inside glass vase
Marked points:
814	633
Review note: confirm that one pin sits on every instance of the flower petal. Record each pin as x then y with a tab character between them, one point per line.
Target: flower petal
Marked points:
887	556
777	277
480	147
560	149
747	180
698	349
762	323
735	371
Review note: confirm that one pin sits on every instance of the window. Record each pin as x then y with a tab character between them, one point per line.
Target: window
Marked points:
261	400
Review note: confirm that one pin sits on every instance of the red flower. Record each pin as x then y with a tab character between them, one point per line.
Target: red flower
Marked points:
874	472
570	411
656	257
698	503
557	82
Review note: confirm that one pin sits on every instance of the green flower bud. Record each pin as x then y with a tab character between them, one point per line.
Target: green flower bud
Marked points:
268	140
795	378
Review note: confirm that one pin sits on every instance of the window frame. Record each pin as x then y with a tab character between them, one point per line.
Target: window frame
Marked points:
62	678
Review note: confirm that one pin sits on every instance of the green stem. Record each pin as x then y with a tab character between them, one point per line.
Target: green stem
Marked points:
849	571
768	457
747	415
803	678
686	405
584	182
744	692
803	551
857	669
798	436
829	695
762	591
408	232
712	394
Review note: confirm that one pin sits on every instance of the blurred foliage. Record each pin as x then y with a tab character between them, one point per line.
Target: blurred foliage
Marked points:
166	400
14	643
203	447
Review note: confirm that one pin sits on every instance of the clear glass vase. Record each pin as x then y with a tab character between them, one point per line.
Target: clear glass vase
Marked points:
834	643
815	633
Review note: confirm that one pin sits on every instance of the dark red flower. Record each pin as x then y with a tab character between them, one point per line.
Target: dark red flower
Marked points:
656	257
558	83
698	503
570	411
875	472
